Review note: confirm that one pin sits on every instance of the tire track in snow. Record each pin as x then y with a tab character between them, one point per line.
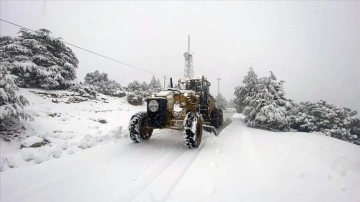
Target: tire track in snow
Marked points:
182	172
152	174
78	171
147	177
156	171
190	160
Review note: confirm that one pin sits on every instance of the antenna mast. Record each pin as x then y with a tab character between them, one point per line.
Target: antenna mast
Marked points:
189	70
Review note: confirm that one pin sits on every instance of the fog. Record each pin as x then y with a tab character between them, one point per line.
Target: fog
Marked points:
313	46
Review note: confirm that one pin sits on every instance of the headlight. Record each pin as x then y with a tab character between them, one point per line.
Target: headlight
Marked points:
153	105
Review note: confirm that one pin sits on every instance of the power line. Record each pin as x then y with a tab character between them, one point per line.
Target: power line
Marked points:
89	51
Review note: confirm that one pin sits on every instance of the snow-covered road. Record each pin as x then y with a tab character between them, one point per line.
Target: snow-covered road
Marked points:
241	164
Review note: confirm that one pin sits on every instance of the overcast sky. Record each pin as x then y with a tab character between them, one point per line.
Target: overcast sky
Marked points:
313	46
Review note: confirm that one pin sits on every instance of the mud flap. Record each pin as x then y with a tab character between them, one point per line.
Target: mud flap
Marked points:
210	129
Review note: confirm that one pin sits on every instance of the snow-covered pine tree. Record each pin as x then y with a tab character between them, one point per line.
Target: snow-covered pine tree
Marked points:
154	85
249	89
134	99
95	77
134	86
144	86
39	60
137	92
221	102
102	84
11	104
268	108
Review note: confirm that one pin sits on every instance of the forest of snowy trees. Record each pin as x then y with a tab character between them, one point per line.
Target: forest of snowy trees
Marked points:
263	102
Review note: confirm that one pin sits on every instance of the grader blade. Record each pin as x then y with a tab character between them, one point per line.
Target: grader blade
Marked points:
210	129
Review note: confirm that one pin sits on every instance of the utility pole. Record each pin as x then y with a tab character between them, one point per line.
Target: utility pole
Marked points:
218	85
164	82
189	70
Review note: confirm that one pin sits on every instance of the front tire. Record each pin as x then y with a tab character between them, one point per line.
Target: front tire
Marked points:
137	128
193	124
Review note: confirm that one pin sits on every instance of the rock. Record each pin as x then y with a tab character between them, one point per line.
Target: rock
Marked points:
33	141
102	120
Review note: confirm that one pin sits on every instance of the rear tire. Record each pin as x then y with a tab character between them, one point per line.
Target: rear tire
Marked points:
137	128
221	117
193	124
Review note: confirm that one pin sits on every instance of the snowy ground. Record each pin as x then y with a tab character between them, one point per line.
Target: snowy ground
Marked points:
241	164
69	127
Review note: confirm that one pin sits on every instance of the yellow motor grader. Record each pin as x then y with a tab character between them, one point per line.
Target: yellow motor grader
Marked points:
190	108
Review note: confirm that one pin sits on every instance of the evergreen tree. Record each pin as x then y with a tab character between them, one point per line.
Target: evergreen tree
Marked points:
137	92
96	77
221	101
102	84
249	89
134	86
39	60
11	104
268	107
144	87
155	85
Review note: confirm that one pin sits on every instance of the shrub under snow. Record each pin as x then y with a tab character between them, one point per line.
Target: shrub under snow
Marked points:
137	92
83	90
102	84
337	122
134	99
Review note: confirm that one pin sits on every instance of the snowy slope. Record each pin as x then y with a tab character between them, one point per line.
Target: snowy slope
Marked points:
241	164
70	127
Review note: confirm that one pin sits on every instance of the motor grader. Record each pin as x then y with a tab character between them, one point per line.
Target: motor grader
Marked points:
189	108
